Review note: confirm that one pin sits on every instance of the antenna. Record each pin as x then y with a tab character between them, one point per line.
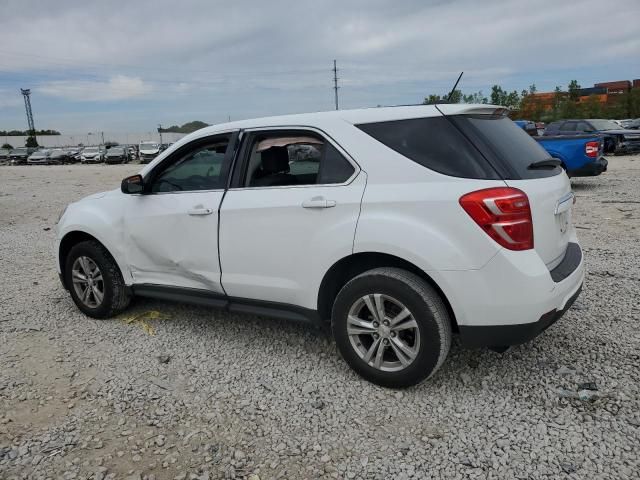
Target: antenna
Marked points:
454	88
335	82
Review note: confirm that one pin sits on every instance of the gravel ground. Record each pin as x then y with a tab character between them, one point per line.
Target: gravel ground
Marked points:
202	394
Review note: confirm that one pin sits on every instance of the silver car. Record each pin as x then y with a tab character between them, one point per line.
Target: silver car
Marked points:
39	157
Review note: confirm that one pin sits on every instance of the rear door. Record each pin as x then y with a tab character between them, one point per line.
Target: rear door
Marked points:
289	214
548	188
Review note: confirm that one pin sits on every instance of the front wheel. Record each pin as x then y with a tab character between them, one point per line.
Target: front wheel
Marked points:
94	281
391	327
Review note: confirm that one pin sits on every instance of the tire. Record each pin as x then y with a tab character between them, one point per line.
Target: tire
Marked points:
115	295
429	341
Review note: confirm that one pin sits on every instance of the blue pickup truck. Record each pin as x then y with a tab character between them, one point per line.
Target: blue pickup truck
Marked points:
581	155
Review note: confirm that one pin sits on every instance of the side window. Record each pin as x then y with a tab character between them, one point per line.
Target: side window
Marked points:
198	169
434	143
583	127
294	158
569	127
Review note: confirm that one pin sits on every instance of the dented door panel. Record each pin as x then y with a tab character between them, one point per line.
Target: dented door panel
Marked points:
172	239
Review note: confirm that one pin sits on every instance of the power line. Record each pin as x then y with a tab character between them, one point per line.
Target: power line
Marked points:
335	82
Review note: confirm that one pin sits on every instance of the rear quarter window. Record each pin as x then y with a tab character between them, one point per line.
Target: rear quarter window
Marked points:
505	145
434	143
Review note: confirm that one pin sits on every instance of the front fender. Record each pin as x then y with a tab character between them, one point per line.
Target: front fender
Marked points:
103	221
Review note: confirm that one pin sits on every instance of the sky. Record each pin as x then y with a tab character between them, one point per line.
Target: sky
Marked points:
124	66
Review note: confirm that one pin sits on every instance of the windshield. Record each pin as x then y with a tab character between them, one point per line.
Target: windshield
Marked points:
117	151
148	146
90	150
57	153
20	150
605	124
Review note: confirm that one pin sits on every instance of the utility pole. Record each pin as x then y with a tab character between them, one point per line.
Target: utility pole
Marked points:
335	82
26	93
102	133
160	132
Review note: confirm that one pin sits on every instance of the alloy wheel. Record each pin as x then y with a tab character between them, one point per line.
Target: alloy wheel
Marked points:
88	282
383	332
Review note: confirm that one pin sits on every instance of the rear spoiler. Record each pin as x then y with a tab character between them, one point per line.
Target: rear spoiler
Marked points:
454	109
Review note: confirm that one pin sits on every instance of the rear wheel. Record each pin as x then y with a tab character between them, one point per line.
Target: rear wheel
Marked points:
391	327
94	281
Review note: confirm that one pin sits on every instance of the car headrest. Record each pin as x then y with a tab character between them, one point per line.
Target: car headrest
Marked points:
275	159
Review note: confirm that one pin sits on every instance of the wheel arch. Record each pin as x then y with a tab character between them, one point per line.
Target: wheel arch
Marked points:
73	238
353	265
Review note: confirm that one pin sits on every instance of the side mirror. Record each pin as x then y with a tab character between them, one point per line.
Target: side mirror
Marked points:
132	184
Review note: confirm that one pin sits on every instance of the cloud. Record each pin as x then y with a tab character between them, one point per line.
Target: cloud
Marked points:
10	99
249	58
118	87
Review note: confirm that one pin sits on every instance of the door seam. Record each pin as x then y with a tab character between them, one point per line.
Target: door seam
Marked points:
355	230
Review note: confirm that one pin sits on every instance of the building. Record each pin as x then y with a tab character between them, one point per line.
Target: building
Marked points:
615	88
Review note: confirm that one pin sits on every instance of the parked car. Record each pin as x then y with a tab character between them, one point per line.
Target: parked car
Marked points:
4	153
59	156
396	228
116	155
39	157
616	139
634	124
148	151
624	123
73	154
133	152
92	155
20	155
580	155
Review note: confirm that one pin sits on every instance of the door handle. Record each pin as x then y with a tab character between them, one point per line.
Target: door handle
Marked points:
318	202
200	211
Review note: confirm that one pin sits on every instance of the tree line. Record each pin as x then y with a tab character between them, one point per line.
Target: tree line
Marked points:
185	128
563	104
26	133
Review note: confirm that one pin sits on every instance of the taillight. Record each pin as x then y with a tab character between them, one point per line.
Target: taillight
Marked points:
504	214
591	149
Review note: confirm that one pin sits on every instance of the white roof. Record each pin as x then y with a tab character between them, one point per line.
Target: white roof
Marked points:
331	118
362	115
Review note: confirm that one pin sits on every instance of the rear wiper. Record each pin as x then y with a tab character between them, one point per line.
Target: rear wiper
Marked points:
546	163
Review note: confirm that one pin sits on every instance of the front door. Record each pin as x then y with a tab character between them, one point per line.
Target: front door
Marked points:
292	209
172	228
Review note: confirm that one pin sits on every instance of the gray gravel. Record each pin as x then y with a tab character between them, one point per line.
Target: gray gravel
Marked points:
203	394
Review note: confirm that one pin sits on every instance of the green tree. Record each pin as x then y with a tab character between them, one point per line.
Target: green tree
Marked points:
512	99
498	95
592	108
456	97
574	88
7	146
432	99
477	97
31	142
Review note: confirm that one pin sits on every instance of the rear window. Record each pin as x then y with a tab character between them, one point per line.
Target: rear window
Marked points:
505	145
434	143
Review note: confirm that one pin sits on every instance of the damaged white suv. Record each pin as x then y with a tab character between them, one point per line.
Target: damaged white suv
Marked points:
395	226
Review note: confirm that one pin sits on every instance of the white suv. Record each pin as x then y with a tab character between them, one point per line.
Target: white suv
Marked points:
395	226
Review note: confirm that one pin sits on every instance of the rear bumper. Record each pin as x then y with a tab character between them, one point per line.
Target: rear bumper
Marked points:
590	169
514	297
505	335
